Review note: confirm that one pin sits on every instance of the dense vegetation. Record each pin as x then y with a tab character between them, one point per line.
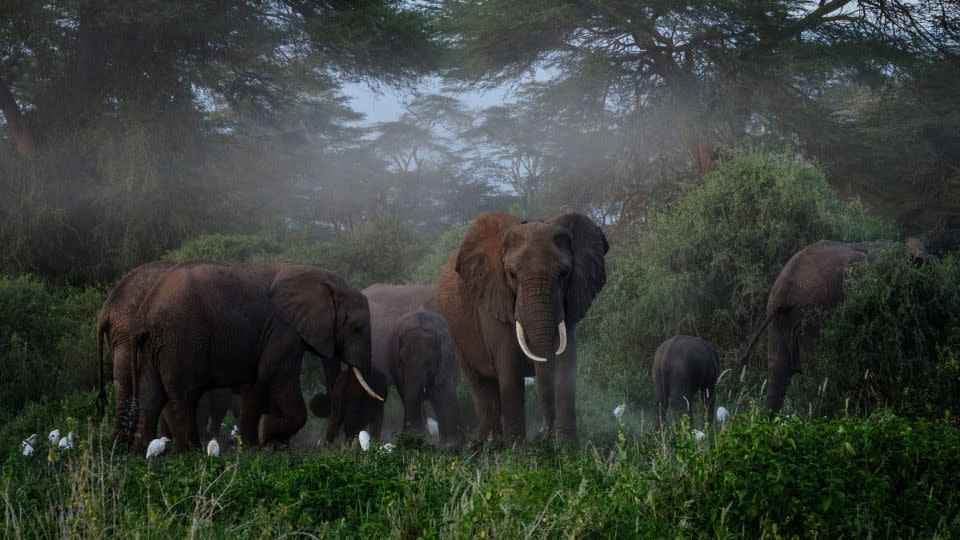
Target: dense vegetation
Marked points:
711	140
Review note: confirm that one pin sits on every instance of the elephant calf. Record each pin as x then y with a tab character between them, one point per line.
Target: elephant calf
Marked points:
682	367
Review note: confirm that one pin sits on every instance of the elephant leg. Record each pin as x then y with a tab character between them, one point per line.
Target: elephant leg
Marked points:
778	379
447	409
376	422
546	391
122	354
565	384
204	409
151	400
183	410
413	418
486	402
288	412
251	407
512	403
166	420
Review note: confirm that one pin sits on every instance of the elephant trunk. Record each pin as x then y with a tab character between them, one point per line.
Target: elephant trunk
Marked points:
541	332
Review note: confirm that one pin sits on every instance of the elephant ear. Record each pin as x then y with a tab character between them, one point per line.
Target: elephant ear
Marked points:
302	297
480	264
589	272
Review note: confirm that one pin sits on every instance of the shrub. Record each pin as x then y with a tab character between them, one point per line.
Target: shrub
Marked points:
893	340
225	247
704	264
430	265
47	341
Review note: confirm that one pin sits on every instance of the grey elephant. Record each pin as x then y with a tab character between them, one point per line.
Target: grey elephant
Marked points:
811	280
116	329
413	353
246	327
512	296
683	368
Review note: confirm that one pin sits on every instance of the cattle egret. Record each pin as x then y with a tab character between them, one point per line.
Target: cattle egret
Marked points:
26	448
66	443
387	448
698	435
213	448
722	414
433	428
364	438
157	446
528	381
54	437
618	411
32	439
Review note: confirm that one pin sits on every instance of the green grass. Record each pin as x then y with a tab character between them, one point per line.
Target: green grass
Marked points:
881	477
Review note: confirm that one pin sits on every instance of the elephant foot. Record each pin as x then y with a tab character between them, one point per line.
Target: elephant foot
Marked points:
543	434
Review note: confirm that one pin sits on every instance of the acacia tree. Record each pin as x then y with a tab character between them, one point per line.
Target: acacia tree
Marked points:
686	77
130	126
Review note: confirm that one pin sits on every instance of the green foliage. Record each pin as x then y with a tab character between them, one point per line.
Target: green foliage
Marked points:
430	265
880	477
47	343
221	247
704	265
892	341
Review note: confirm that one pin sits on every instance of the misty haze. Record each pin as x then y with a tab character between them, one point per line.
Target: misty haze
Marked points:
479	268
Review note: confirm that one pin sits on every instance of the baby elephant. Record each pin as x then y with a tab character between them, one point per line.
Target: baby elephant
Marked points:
682	367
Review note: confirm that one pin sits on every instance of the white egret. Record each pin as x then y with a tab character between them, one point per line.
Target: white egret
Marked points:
722	414
156	447
433	428
387	448
619	410
213	448
54	437
66	443
364	439
26	448
698	435
528	381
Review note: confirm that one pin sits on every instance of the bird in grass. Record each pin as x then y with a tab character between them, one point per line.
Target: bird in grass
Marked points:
386	448
156	447
213	448
54	437
528	381
26	446
66	443
364	439
698	435
619	410
433	428
722	414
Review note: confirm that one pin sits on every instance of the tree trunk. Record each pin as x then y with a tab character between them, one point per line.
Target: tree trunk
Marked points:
14	118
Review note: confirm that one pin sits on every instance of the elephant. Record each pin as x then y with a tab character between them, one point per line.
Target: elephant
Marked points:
811	280
512	296
246	327
412	352
117	327
684	366
212	408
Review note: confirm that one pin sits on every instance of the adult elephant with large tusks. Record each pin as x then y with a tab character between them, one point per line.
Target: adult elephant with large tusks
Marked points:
242	326
512	297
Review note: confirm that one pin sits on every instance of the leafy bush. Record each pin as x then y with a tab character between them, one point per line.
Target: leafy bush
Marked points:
224	247
892	342
47	341
430	265
704	264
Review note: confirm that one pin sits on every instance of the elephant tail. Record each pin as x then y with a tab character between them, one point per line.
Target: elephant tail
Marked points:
753	341
102	393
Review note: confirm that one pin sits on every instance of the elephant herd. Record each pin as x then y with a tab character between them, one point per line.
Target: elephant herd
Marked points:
191	340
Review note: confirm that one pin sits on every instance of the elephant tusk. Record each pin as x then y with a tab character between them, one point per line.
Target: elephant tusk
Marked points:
365	386
523	345
563	337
